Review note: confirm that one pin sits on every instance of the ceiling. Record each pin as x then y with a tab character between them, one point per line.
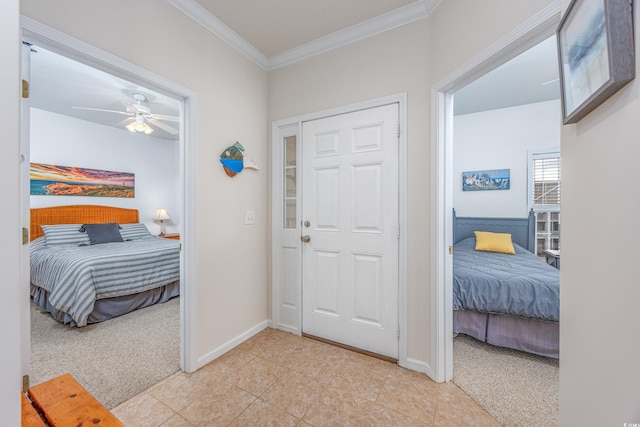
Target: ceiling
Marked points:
528	78
58	84
276	26
281	29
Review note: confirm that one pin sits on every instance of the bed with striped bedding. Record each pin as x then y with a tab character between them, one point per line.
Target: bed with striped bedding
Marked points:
69	276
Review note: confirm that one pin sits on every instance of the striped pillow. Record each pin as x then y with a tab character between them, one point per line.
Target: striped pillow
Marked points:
65	234
134	231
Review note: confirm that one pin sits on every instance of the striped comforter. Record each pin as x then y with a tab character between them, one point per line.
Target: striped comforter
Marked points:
76	276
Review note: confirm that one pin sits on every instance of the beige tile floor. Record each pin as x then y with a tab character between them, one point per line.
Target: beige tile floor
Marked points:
279	379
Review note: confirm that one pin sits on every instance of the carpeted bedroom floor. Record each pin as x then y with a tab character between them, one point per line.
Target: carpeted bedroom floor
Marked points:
114	360
517	388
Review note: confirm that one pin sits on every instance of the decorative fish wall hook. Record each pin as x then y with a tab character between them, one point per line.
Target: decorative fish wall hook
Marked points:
232	159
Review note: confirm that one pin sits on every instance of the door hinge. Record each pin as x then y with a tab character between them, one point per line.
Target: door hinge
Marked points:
25	383
25	89
398	333
398	130
450	250
398	236
25	235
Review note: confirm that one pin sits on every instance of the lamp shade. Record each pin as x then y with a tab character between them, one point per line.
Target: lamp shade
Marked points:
161	215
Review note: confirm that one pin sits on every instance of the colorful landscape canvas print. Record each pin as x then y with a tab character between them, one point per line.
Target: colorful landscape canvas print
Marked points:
53	180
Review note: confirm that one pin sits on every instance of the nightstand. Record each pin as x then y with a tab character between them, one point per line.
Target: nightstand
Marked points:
175	236
552	257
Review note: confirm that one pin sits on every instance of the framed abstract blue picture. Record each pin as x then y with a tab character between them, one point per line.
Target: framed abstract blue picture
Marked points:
595	52
496	179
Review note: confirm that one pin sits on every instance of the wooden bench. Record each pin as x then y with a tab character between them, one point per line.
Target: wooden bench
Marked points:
62	402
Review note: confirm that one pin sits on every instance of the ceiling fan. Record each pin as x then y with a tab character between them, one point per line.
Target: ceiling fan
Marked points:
140	117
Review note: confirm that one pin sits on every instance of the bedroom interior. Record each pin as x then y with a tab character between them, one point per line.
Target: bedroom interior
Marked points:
239	96
90	125
504	134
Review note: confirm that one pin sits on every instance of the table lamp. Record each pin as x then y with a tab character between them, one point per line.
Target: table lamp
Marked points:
162	216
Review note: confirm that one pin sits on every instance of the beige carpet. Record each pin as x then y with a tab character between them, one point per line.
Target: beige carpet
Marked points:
114	360
517	388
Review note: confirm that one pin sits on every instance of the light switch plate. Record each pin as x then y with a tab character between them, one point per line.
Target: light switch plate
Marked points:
249	217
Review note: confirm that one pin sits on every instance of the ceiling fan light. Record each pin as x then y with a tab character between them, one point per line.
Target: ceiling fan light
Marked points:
139	126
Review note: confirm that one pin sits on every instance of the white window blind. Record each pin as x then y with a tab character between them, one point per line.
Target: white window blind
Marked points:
546	181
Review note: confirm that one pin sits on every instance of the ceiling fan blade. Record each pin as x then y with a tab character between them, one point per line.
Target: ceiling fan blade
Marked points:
164	127
165	118
106	111
124	122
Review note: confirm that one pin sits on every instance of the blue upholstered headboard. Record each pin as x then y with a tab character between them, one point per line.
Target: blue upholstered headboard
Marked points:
522	230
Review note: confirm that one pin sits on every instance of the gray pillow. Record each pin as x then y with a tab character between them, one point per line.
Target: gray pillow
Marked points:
64	234
134	231
102	233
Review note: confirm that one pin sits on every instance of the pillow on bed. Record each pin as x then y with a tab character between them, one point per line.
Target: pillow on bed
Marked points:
64	234
494	242
134	231
102	233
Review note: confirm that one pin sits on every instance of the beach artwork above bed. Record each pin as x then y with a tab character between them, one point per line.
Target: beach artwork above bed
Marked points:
54	180
496	179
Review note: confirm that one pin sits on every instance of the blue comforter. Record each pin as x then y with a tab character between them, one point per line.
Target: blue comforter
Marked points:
519	285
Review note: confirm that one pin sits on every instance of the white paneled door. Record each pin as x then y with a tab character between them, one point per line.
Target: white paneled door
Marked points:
350	229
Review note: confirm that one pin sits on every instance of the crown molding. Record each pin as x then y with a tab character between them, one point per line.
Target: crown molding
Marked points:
410	13
203	17
380	24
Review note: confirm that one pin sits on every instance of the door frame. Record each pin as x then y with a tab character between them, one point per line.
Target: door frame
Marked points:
531	32
293	126
63	44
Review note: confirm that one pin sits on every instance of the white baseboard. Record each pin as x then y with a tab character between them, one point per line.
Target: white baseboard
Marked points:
290	329
418	366
234	342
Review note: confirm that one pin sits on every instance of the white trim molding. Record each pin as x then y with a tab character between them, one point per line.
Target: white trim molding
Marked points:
202	16
531	32
374	26
232	343
396	18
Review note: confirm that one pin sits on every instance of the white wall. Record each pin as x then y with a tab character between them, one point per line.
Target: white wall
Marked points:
501	139
599	296
229	258
65	141
10	315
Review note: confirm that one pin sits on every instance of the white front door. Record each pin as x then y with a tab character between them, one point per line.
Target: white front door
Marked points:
350	215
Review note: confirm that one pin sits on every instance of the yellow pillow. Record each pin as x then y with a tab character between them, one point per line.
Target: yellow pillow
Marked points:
494	242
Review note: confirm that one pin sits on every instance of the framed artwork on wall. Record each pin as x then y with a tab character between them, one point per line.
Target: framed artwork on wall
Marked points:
54	180
595	54
497	179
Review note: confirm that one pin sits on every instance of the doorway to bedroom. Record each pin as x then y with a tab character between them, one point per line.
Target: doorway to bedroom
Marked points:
506	128
88	121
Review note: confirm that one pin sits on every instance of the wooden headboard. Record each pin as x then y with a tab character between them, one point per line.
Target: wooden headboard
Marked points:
522	230
79	214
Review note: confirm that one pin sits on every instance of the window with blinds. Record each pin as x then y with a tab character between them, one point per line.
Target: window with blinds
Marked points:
545	199
546	181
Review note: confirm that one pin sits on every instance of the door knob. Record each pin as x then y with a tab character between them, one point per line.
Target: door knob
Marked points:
305	239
